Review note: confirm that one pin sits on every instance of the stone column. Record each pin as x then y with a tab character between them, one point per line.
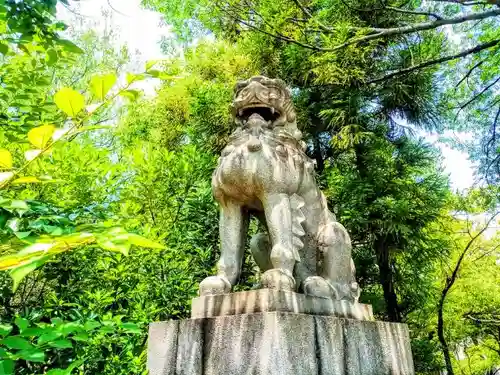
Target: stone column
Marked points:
268	332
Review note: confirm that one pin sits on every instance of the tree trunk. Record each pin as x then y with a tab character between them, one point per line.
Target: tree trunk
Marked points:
442	339
387	280
320	163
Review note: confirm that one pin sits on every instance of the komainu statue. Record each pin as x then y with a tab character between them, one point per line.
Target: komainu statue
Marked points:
265	172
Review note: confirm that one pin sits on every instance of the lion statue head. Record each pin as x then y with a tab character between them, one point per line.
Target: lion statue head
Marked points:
265	101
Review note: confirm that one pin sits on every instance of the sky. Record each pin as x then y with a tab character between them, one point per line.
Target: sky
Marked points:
141	31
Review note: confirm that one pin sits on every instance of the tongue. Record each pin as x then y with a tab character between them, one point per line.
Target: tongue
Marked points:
256	117
255	123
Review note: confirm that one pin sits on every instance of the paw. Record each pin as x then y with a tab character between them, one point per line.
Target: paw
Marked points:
318	287
278	279
347	292
214	285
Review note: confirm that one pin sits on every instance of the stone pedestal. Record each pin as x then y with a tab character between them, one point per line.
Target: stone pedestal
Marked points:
270	300
276	342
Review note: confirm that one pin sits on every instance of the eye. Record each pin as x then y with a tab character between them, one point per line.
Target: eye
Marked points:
273	95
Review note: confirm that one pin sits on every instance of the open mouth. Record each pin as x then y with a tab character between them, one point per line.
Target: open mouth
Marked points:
267	113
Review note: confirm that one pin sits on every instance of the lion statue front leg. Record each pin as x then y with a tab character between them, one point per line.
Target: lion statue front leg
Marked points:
233	226
282	257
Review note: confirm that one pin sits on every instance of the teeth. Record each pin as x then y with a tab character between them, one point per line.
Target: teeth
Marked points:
272	110
240	112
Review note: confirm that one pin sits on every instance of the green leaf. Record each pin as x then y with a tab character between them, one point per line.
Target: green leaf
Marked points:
155	73
61	344
69	101
15	342
32	355
47	337
32	332
101	84
28	255
4	354
143	242
61	25
106	329
91	325
74	365
5	329
22	235
12	205
69	46
41	135
57	321
19	205
131	328
67	328
57	371
131	95
5	159
7	367
57	232
131	77
150	64
66	371
120	246
52	56
82	336
22	323
4	48
19	273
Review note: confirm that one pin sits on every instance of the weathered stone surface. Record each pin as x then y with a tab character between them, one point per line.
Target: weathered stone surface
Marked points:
277	343
269	300
330	340
162	347
260	344
190	347
377	348
264	171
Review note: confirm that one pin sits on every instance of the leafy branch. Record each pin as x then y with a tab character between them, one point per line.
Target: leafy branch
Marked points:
377	33
415	27
44	137
72	103
450	281
437	61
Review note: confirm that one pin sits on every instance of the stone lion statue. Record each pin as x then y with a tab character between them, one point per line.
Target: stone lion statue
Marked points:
264	172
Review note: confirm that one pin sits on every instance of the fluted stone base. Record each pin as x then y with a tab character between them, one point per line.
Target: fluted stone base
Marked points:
278	343
270	300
